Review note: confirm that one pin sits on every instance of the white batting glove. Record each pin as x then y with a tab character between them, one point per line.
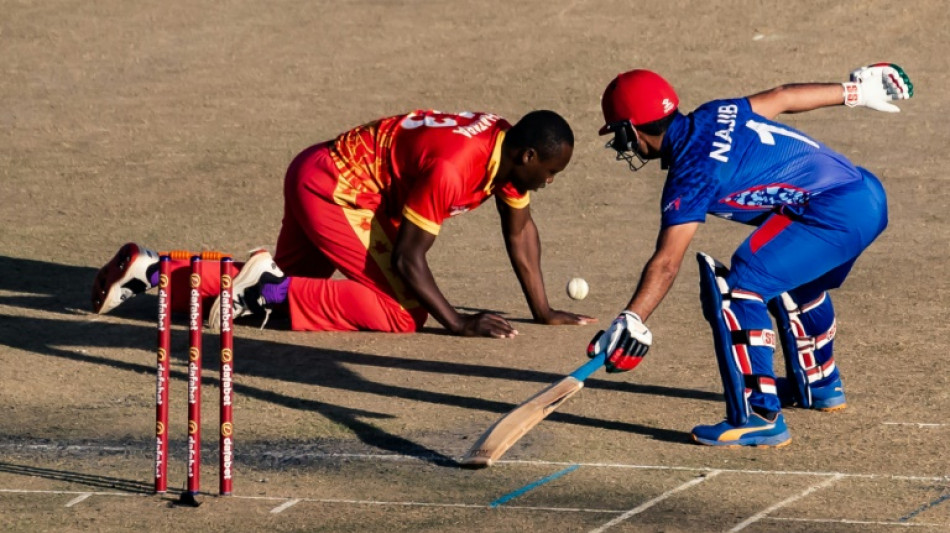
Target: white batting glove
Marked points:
876	85
625	342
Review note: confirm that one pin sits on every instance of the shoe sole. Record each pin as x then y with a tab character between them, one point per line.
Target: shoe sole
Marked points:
769	443
113	276
252	269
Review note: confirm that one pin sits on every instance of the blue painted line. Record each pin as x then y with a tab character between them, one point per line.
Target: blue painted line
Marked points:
530	486
924	507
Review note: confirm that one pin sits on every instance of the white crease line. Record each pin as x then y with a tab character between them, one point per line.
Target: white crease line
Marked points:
409	458
857	522
284	506
78	499
646	505
28	491
762	514
67	448
918	424
435	504
730	471
294	501
474	506
414	459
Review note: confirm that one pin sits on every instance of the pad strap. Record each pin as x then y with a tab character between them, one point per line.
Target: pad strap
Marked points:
760	383
739	294
807	345
819	372
754	337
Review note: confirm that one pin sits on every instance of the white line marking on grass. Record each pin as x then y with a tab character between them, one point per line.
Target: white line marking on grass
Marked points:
858	522
65	447
438	504
410	458
417	459
30	491
918	424
78	499
762	514
286	505
646	505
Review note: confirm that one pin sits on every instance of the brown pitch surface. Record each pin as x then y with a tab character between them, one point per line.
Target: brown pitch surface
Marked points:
171	125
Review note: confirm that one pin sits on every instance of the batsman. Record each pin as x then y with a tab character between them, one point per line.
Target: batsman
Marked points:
814	212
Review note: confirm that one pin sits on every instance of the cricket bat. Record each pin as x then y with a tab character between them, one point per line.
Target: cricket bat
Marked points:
511	427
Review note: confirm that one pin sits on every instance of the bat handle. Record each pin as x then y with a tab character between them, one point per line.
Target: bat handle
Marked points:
588	368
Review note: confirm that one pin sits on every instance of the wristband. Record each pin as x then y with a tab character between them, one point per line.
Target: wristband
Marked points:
852	94
634	315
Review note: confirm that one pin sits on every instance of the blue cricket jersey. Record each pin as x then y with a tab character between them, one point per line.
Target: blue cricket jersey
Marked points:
725	160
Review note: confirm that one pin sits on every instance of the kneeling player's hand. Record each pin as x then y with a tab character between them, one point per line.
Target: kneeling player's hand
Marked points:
486	325
560	318
625	342
875	86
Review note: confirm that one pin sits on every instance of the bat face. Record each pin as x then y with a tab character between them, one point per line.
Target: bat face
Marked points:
511	427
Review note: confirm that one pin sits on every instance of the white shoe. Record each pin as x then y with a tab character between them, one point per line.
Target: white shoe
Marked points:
125	276
246	299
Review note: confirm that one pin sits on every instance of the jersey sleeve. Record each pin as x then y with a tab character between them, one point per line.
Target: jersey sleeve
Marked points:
435	190
687	196
513	198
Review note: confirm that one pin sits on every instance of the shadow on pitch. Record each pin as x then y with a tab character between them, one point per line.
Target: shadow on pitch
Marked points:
89	480
63	289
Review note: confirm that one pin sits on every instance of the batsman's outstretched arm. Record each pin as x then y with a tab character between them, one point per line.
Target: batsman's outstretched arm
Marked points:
627	339
661	270
409	261
873	86
796	98
523	245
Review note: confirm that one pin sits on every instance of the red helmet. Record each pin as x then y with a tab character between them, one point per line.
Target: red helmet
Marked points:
640	96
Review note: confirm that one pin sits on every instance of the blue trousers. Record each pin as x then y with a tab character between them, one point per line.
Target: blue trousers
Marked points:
804	250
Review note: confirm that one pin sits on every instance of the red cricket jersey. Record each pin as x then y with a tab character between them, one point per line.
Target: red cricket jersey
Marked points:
426	166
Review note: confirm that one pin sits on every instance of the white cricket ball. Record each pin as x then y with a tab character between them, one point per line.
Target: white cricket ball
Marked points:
577	288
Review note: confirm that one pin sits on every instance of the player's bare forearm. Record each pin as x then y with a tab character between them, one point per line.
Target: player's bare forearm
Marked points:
655	282
660	271
523	245
796	98
409	262
414	271
524	252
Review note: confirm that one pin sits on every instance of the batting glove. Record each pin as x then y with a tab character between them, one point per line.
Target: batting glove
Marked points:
876	85
625	342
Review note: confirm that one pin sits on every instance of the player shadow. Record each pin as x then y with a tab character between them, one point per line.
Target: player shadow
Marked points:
63	289
89	480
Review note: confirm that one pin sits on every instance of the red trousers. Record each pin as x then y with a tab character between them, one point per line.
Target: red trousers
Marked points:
324	231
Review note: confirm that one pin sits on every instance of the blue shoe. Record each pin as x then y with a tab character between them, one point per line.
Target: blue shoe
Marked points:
758	431
827	398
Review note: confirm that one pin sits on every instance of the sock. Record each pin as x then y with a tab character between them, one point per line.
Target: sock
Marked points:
275	293
152	273
765	413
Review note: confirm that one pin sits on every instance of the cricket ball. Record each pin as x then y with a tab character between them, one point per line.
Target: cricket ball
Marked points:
577	288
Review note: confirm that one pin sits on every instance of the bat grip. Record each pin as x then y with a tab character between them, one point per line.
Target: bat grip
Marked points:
588	368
